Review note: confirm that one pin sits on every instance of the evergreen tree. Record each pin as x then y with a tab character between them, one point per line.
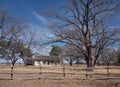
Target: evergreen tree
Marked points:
55	51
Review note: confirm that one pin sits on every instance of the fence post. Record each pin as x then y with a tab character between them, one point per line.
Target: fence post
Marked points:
90	76
107	72
86	73
40	72
63	71
12	72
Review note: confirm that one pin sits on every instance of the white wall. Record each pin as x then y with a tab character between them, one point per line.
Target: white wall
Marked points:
38	63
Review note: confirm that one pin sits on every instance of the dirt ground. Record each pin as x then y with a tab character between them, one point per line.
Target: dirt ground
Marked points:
59	83
18	80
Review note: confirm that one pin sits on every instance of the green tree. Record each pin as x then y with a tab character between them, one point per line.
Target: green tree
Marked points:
55	51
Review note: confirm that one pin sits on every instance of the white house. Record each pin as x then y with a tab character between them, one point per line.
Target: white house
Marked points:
47	60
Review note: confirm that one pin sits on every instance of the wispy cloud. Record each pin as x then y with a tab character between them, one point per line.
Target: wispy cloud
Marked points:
36	15
41	18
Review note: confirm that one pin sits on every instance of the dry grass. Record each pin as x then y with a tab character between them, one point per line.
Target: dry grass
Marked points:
59	83
21	81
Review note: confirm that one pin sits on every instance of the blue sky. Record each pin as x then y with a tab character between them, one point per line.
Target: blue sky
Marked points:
28	10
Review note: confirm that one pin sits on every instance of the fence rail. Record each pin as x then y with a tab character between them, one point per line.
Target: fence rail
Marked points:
60	73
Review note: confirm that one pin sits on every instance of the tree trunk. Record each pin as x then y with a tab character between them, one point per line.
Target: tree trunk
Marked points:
89	61
13	64
77	62
89	64
70	63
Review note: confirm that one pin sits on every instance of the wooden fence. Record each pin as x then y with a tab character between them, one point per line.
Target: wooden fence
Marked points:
61	72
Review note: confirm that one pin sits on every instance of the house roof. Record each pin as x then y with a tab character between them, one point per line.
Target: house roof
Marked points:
54	58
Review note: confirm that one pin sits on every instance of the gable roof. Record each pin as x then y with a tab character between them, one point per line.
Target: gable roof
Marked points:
45	58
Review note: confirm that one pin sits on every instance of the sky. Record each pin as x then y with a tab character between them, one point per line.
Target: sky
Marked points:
29	11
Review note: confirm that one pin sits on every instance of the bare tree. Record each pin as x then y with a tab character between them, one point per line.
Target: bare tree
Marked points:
108	56
85	24
4	24
71	54
13	32
29	39
118	56
12	53
11	50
